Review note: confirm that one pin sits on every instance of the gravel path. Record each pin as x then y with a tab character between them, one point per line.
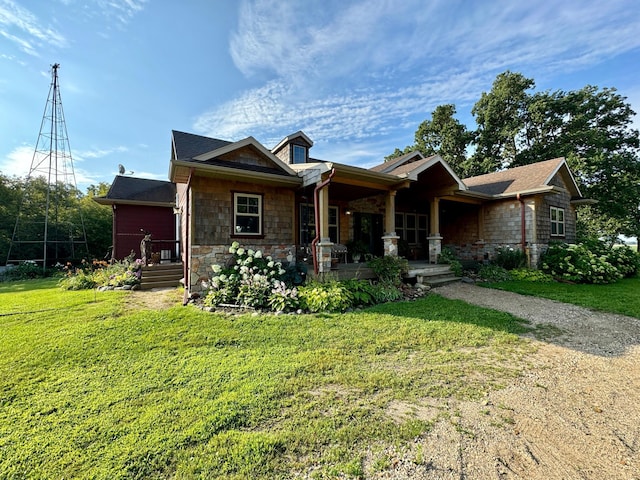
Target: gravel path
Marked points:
574	414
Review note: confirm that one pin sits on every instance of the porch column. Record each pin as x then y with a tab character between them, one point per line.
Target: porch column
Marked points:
434	238
325	244
390	239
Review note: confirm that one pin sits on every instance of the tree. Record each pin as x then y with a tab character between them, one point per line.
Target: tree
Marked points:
444	135
16	194
590	127
500	116
98	221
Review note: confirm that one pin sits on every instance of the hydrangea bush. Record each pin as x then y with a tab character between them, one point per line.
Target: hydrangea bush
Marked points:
249	280
252	279
577	263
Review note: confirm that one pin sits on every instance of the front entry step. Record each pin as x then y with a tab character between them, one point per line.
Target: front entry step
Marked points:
161	276
432	275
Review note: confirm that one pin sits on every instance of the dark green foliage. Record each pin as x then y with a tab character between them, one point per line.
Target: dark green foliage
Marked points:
509	258
389	269
80	209
362	292
447	257
494	273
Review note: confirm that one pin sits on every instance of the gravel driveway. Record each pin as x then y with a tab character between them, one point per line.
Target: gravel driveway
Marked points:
574	414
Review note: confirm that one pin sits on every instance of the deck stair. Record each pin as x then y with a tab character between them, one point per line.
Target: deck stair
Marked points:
432	275
161	276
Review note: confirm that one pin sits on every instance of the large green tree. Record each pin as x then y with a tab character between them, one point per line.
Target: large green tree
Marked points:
444	135
590	127
500	116
68	209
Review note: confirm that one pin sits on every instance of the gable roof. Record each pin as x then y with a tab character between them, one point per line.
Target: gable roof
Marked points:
141	191
532	178
389	165
289	138
189	145
207	155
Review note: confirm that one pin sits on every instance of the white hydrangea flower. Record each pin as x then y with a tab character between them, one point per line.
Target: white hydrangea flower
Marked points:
250	252
270	264
216	268
258	254
240	251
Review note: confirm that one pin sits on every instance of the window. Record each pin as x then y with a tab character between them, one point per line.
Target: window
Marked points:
411	227
308	224
299	154
557	222
247	214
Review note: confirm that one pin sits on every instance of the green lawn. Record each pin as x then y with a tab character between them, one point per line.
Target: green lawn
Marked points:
621	297
89	389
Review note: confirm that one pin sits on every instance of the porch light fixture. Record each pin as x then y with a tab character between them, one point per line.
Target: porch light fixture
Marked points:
347	211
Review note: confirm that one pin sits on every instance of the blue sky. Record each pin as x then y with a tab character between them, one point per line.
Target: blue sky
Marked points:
357	77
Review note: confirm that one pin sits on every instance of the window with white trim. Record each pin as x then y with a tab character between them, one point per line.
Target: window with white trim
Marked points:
247	214
299	154
557	222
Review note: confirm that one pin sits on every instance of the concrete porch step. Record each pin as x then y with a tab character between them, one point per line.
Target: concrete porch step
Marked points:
432	275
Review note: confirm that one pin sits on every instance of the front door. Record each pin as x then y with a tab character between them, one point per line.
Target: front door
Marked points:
368	228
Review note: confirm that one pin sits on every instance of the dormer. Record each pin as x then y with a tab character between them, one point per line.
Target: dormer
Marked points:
293	149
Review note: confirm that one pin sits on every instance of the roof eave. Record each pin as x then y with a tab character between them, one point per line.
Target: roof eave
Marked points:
237	174
119	201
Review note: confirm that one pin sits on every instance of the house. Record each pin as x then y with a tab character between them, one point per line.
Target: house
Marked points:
140	205
291	205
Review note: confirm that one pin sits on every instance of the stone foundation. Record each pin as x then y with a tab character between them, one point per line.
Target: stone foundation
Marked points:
203	256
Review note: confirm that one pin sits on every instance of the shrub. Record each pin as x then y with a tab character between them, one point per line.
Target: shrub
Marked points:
385	292
102	274
24	271
530	275
494	273
625	259
331	296
576	263
283	298
362	292
389	268
509	258
447	257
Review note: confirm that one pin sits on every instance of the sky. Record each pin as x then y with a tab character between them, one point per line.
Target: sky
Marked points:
357	77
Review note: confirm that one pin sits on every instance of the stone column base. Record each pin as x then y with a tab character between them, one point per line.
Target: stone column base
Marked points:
324	255
390	241
435	247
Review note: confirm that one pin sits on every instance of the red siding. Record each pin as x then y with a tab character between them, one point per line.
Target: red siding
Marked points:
128	220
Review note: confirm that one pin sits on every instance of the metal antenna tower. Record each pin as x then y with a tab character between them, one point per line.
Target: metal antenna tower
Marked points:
50	227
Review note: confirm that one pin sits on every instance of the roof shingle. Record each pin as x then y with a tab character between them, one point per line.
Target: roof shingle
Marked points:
514	180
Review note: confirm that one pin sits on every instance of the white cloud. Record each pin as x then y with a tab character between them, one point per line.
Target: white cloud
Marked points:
371	68
22	27
123	10
23	159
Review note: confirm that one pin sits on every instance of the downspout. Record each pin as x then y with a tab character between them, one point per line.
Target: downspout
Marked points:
316	211
186	250
523	226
